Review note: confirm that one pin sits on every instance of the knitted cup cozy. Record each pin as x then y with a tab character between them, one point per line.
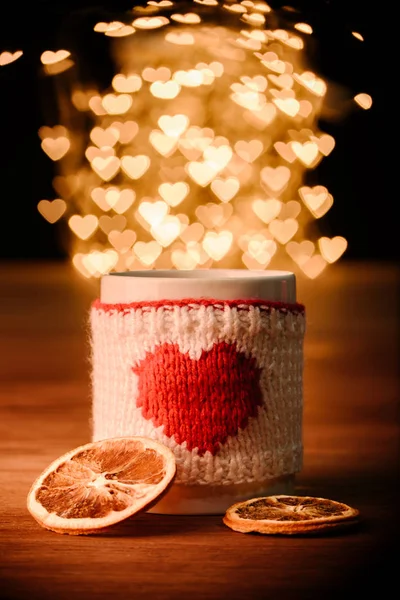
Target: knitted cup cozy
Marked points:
218	382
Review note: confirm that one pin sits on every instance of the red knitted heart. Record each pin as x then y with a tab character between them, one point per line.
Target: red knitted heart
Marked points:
201	402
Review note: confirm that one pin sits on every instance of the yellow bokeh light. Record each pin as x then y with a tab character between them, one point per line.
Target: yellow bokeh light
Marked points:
165	90
103	27
135	166
120	31
174	193
150	22
363	100
304	28
52	210
126	84
83	227
332	248
357	35
7	58
55	145
186	19
196	150
50	58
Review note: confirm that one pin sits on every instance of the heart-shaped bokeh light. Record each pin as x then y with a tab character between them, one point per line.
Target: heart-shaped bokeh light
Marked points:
194	152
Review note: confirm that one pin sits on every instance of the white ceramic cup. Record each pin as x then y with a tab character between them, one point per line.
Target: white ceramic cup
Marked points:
219	284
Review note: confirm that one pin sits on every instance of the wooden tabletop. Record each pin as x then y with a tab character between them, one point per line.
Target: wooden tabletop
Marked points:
351	437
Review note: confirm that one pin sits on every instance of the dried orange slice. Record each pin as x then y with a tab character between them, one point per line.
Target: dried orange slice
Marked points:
289	515
100	484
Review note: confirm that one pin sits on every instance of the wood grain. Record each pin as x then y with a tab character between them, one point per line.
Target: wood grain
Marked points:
351	437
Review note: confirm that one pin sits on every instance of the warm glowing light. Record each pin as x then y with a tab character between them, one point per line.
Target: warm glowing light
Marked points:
117	223
185	259
194	153
285	151
187	19
92	152
257	83
174	193
135	166
52	210
275	179
191	78
332	248
255	34
313	83
217	244
225	189
363	100
357	35
50	58
283	36
7	58
122	241
150	22
214	215
117	105
235	8
283	230
173	126
249	151
271	61
267	210
120	31
314	266
147	252
300	252
165	90
83	227
127	84
160	74
219	157
289	106
167	230
96	106
127	130
290	210
307	153
55	142
108	27
180	39
106	168
161	3
202	173
104	137
165	145
113	198
251	100
284	81
59	67
325	143
317	199
254	19
192	234
304	28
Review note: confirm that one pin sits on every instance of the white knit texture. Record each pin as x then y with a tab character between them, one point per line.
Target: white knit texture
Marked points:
271	443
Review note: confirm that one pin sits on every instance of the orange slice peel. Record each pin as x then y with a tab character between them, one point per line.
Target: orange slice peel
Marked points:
102	483
289	515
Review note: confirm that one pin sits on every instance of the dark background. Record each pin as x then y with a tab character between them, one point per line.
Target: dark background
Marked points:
356	172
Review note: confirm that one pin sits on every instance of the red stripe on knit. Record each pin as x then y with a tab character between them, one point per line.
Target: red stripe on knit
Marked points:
266	305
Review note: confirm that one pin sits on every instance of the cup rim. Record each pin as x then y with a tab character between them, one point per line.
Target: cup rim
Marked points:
219	275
